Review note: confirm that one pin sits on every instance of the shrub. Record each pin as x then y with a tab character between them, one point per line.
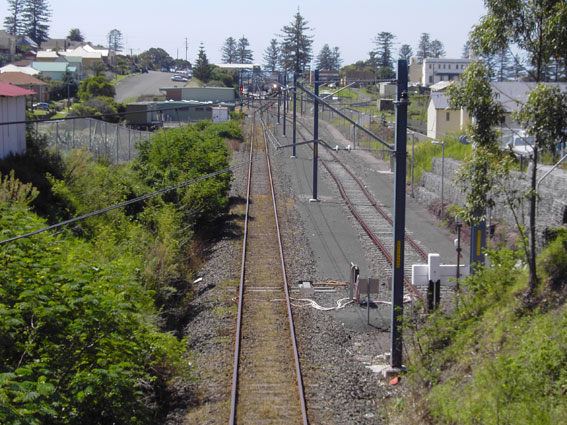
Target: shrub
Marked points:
95	86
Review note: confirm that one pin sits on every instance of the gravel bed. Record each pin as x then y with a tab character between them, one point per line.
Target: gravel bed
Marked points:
340	388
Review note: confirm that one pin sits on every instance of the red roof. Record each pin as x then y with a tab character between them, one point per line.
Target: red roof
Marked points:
9	90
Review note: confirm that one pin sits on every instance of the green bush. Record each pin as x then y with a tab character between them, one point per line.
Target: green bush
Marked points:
95	86
182	154
77	339
34	167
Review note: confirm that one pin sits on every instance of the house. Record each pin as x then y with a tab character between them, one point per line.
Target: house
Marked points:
25	81
442	119
152	114
428	71
13	68
8	43
46	56
12	109
76	62
54	70
90	57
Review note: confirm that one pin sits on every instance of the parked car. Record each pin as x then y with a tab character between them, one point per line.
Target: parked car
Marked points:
42	105
179	78
521	144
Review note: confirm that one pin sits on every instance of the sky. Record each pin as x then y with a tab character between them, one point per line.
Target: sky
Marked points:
349	25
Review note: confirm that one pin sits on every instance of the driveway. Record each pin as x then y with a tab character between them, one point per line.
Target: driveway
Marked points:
133	87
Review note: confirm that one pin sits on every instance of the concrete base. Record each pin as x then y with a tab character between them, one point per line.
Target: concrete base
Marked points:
314	200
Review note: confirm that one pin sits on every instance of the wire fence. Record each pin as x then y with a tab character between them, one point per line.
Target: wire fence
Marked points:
103	140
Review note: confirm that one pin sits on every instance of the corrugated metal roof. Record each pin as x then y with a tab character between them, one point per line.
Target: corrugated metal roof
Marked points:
8	90
50	66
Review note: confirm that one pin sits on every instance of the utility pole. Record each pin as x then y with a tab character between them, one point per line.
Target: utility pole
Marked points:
186	48
399	215
284	102
315	135
294	110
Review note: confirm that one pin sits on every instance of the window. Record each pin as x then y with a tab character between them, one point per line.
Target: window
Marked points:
429	66
431	79
449	66
199	109
448	116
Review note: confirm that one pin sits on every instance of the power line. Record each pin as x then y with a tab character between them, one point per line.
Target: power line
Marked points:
129	202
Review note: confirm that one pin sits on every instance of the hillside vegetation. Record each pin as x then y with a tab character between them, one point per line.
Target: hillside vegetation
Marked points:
494	359
88	314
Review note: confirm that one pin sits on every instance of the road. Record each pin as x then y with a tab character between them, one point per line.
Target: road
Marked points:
133	87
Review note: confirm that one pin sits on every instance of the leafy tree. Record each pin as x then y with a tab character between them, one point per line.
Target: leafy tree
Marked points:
296	45
13	23
383	53
155	59
437	49
36	14
115	42
202	69
406	52
473	93
424	46
271	55
336	60
75	34
95	86
243	53
324	59
532	26
229	51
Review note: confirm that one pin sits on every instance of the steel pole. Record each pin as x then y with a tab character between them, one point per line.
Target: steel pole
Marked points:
294	111
399	215
284	103
442	176
315	134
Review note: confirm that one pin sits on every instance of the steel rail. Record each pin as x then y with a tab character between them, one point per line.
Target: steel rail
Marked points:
361	221
286	289
241	287
299	378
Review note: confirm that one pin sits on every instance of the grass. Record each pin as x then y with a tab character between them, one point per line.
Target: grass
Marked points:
426	151
495	359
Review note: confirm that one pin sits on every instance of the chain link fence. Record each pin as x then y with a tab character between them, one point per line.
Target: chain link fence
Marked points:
103	140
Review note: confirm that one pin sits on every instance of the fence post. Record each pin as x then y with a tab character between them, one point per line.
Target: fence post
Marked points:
56	134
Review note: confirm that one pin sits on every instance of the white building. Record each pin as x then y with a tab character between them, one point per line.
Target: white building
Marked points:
429	71
13	109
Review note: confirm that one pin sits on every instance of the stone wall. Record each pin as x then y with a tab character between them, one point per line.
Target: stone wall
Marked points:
552	204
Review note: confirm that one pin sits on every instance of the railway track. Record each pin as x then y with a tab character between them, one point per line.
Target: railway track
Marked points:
267	386
373	219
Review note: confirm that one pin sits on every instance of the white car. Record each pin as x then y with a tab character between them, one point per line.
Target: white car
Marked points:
179	78
521	145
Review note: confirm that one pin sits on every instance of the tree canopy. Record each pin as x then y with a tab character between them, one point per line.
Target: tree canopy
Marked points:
243	53
202	69
36	14
272	55
537	28
228	51
329	59
115	40
296	45
75	34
